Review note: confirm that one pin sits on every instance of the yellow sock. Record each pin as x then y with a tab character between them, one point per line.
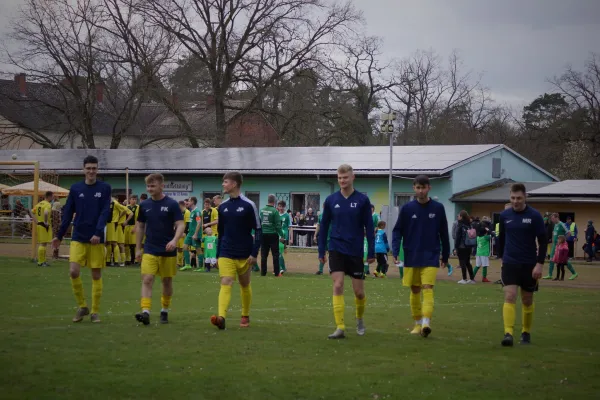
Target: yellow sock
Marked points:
338	311
77	286
246	300
116	254
224	300
123	258
41	254
109	252
508	314
179	258
415	306
96	294
360	306
527	317
146	303
427	303
165	301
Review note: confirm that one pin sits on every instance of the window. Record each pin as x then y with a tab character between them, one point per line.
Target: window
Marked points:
207	195
401	199
303	201
255	197
496	168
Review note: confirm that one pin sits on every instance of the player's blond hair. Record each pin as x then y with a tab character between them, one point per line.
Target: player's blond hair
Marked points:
345	169
207	230
154	178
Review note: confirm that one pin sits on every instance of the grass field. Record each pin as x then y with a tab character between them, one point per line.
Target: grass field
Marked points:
285	353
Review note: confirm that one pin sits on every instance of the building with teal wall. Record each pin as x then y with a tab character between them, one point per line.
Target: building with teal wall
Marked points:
303	177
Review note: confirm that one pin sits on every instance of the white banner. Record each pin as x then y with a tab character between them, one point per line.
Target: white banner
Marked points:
183	186
179	195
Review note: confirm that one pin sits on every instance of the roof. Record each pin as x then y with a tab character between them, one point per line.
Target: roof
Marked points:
374	160
495	192
570	188
26	189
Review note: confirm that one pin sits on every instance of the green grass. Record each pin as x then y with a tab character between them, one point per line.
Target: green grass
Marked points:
285	353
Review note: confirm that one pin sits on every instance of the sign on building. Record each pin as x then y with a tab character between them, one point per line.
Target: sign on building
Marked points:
178	186
179	195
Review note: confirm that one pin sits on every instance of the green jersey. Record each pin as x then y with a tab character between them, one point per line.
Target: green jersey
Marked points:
375	220
270	221
195	217
483	246
285	224
560	229
210	248
365	250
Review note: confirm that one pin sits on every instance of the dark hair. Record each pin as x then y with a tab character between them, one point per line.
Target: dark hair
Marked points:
143	196
381	224
194	200
518	187
421	180
181	203
133	196
49	194
234	176
207	201
282	203
464	216
90	160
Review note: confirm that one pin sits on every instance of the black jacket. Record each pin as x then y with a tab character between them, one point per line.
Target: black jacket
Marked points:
461	235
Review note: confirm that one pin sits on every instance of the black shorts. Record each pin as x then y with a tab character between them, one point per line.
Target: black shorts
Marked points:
349	265
520	275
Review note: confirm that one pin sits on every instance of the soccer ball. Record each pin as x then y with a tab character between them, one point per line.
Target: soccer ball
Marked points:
14	156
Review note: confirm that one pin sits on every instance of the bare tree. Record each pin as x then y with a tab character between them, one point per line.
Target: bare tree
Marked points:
277	35
63	45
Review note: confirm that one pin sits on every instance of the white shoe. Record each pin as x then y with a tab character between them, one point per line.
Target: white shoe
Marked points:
471	282
122	265
360	327
338	334
462	282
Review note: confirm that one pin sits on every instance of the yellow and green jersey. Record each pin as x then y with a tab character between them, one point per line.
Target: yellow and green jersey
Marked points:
115	212
135	209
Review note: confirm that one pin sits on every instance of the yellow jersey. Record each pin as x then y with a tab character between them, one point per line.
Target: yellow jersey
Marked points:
116	209
40	209
186	216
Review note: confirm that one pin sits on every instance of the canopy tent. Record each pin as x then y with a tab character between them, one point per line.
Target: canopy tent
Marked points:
26	189
2	186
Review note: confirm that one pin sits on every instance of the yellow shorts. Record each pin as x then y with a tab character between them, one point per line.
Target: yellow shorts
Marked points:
87	254
165	267
129	235
230	267
111	232
419	276
43	235
120	234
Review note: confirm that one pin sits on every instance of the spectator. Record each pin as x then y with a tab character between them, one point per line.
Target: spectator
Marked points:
464	246
572	238
310	219
590	233
549	232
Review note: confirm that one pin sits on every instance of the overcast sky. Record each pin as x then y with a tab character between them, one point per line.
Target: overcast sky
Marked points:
516	44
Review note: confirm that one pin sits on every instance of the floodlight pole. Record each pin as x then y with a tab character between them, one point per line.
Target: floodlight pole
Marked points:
127	185
388	125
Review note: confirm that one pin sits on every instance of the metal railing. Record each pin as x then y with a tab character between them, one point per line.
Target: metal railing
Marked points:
302	237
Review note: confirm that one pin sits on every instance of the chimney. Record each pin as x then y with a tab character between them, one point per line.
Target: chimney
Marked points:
21	79
99	92
210	100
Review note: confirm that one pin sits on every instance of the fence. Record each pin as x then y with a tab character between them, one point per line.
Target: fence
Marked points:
302	237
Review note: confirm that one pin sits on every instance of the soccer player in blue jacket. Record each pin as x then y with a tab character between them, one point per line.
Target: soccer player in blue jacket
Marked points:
237	248
522	251
422	228
90	202
348	212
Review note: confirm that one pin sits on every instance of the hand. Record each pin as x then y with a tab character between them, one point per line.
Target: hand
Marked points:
195	237
56	243
124	224
442	265
251	261
323	259
95	239
396	261
172	245
138	254
315	238
282	240
370	260
537	271
133	230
